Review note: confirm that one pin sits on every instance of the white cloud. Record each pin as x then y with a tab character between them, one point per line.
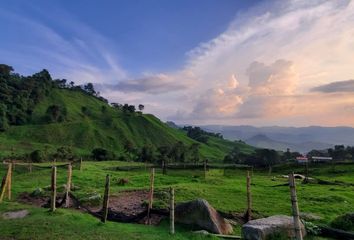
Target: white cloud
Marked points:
278	51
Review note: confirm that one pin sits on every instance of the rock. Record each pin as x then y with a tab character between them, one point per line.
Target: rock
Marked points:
296	176
202	232
200	213
15	214
309	216
275	226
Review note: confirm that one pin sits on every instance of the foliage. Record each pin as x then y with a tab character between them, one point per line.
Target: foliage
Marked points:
3	120
141	107
311	228
236	156
344	222
146	154
19	96
55	113
5	69
263	157
37	156
101	154
290	156
64	153
200	135
128	108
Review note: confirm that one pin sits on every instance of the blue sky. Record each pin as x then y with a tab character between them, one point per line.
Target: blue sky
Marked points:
276	62
145	35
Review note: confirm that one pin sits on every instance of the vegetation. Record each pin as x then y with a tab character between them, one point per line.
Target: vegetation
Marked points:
338	153
225	193
38	113
199	134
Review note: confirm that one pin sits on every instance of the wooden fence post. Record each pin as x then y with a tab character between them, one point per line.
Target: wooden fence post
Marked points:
105	200
172	211
9	181
5	182
295	207
307	171
249	198
30	167
68	186
151	193
54	189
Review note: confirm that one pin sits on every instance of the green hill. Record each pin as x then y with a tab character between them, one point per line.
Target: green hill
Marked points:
91	123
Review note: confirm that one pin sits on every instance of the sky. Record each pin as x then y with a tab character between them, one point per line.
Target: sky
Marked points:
262	63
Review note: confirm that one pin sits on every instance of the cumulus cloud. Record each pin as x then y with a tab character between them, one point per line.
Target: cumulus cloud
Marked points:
279	78
267	83
278	51
339	86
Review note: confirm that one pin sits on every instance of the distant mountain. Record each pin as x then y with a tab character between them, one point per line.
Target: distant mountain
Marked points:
301	139
262	141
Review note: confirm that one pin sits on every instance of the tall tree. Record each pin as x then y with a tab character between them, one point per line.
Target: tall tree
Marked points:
141	107
5	69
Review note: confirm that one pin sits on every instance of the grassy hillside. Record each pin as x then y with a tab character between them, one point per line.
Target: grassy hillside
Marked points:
100	126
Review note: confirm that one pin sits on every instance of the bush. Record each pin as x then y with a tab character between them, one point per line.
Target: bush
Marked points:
344	222
101	154
37	156
55	113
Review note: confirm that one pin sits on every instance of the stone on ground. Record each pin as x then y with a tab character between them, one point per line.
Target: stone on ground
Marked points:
200	213
15	214
275	226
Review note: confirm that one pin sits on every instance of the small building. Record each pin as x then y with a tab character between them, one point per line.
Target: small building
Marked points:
302	159
321	159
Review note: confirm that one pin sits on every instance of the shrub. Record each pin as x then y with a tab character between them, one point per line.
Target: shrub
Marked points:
56	113
101	154
344	222
37	156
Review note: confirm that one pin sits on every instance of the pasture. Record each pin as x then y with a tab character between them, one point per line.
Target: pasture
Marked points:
226	193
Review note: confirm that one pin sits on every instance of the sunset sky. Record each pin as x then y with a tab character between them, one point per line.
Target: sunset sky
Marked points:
286	63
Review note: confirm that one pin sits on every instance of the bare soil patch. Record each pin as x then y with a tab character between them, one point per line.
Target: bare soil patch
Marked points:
37	201
129	206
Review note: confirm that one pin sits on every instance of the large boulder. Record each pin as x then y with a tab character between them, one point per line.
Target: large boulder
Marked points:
279	226
200	213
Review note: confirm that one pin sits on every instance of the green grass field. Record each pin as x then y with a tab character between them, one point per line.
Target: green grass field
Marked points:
225	193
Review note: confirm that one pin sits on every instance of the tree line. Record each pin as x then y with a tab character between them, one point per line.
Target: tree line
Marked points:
199	134
338	153
173	153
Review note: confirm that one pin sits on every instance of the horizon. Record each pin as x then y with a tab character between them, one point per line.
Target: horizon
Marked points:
252	63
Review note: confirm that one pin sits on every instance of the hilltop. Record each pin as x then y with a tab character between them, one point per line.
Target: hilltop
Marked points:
55	114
